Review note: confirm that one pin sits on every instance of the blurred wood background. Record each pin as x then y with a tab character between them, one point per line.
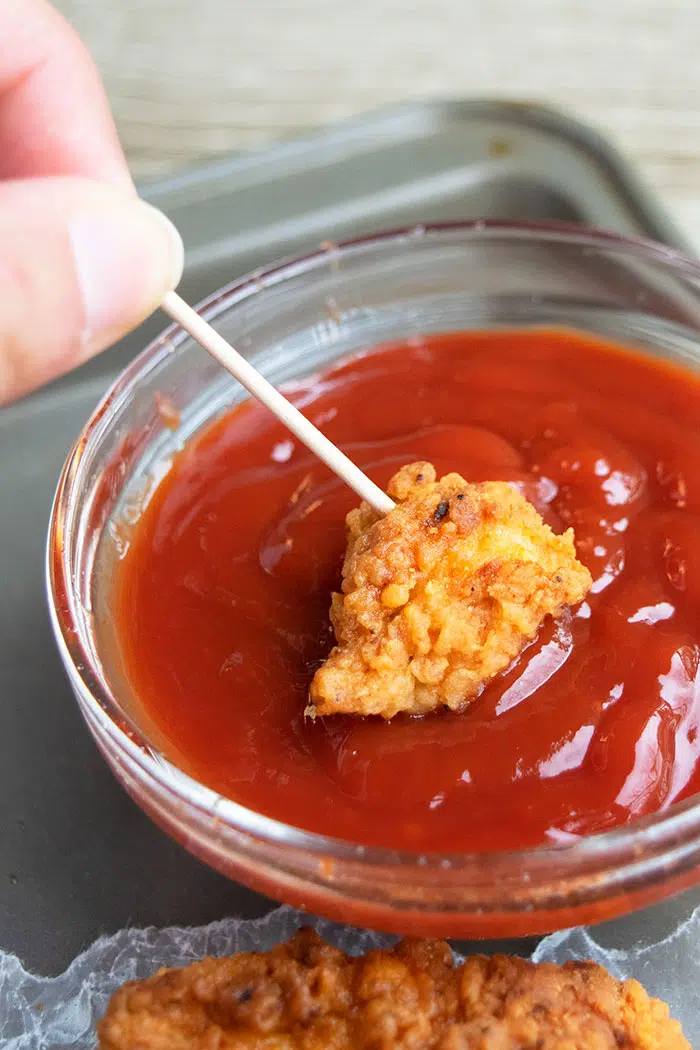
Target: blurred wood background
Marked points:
192	80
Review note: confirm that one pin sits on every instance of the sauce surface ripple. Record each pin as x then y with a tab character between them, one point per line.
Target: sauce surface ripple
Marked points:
221	602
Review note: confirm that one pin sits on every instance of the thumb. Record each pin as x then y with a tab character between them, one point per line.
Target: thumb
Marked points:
81	263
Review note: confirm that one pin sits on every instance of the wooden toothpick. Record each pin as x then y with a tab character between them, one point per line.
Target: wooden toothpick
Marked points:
265	392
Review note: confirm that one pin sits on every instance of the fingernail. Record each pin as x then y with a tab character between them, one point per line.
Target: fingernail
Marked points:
127	256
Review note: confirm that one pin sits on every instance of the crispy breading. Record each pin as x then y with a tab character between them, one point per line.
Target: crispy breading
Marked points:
306	995
440	595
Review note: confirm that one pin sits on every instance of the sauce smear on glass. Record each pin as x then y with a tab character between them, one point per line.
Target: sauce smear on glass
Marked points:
222	598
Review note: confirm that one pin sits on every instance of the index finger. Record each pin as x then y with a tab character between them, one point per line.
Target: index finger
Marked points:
54	116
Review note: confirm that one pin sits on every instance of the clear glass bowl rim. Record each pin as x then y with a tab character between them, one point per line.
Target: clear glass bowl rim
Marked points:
630	844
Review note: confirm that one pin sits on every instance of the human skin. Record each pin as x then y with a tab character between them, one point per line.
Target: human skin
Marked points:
82	259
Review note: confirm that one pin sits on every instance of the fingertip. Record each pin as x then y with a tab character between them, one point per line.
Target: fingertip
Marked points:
176	245
127	255
82	264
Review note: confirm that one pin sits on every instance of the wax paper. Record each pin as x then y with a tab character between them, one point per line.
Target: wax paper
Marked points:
40	1013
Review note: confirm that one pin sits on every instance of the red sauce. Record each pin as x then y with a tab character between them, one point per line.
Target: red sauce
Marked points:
222	599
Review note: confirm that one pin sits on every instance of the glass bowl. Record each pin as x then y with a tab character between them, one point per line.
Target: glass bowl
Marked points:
292	319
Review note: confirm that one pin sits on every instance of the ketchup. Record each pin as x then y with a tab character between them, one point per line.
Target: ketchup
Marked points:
222	598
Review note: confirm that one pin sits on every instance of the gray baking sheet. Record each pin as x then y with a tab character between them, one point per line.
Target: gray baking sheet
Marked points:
77	857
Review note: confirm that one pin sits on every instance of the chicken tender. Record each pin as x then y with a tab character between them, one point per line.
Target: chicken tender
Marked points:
440	595
306	995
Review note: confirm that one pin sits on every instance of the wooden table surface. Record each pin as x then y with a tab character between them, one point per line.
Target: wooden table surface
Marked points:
191	80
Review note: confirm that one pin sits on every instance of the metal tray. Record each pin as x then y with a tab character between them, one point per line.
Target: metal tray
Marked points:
77	858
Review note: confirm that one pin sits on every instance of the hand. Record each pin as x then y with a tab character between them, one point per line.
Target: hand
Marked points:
82	259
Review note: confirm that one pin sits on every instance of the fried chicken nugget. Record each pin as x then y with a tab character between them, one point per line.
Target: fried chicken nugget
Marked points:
306	995
440	595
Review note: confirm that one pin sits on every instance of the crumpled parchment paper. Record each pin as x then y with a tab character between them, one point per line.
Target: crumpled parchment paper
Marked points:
40	1013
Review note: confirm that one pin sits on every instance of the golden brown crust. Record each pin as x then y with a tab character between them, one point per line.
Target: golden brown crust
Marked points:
440	595
306	995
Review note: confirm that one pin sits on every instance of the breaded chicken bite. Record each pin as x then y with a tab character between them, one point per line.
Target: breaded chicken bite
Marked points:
440	595
306	995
